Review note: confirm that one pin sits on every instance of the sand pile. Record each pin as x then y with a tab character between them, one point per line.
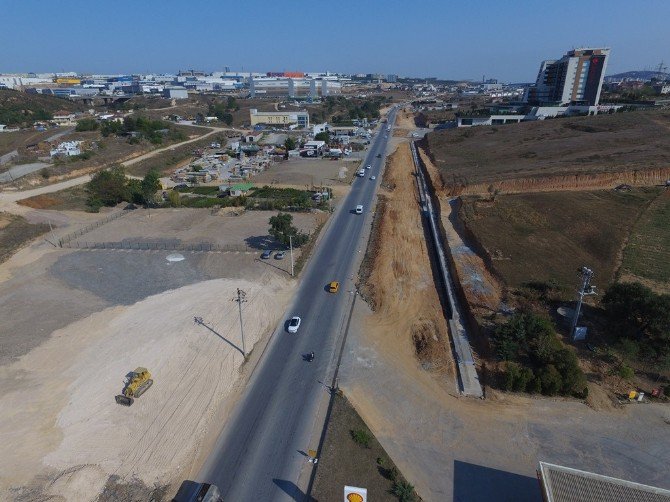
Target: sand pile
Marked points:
58	417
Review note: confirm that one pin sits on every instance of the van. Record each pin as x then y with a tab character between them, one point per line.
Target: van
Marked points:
359	209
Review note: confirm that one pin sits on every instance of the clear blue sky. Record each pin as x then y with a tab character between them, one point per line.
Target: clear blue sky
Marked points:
505	39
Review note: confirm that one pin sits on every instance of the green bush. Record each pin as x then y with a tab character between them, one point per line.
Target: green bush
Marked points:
87	124
361	437
404	491
625	372
551	380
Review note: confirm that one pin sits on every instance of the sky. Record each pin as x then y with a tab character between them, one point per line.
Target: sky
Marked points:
467	39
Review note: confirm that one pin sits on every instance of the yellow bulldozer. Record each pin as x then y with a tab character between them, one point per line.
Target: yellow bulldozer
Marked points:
137	384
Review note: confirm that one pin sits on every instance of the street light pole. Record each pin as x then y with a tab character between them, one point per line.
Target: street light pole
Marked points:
241	299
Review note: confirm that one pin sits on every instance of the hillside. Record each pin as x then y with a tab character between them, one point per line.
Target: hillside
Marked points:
22	109
579	152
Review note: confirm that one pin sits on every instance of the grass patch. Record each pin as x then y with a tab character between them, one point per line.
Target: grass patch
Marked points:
70	199
647	254
545	237
15	231
345	461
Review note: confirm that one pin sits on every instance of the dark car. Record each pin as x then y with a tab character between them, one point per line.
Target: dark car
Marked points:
379	155
266	254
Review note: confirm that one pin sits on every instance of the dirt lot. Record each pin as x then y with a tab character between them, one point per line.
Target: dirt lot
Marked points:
310	172
542	237
246	232
345	462
559	152
76	322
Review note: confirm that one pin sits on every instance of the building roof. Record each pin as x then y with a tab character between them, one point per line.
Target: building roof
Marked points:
242	187
564	484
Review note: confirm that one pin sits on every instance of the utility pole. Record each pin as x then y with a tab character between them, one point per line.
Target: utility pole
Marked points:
241	295
586	289
290	243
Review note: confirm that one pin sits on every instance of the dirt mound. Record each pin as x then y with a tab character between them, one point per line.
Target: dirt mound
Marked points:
397	277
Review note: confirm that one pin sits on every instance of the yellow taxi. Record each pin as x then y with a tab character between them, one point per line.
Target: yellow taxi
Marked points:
333	287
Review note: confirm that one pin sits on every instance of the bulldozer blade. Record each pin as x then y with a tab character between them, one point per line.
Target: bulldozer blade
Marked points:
143	388
124	400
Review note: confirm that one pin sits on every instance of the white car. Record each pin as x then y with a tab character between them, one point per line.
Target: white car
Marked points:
359	209
368	166
373	177
294	324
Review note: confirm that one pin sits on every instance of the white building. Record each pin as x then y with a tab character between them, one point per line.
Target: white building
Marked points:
66	149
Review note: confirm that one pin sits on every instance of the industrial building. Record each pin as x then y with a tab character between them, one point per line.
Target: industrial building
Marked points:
576	78
300	118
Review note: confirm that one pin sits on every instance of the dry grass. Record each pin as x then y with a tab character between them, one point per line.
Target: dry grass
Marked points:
647	255
560	147
15	231
545	237
69	199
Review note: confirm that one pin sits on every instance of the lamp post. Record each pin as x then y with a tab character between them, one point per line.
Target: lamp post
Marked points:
240	299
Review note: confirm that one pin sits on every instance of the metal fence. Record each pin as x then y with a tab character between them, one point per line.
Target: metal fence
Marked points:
69	237
204	247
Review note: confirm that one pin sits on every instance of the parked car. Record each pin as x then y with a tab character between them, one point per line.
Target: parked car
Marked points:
294	324
279	255
266	254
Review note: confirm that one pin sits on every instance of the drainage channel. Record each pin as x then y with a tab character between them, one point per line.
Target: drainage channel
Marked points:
468	380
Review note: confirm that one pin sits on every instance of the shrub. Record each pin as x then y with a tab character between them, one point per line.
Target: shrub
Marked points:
87	124
361	437
404	491
44	172
551	380
625	372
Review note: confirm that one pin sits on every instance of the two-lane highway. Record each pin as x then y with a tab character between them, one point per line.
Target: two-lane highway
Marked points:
258	454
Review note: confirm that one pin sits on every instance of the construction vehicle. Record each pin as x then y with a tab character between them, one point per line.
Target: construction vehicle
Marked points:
138	383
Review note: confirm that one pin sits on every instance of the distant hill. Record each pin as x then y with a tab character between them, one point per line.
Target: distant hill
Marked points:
642	75
21	109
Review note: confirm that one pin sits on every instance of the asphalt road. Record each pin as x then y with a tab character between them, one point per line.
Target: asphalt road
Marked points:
261	450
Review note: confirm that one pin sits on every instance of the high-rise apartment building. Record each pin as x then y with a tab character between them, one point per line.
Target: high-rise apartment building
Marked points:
575	78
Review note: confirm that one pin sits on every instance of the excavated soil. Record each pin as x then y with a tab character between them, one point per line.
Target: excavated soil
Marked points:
399	286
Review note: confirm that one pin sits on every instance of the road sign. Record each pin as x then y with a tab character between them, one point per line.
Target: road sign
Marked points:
354	494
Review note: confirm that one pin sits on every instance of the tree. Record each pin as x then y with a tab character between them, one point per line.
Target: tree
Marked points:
150	185
635	312
281	228
289	144
322	136
87	124
108	187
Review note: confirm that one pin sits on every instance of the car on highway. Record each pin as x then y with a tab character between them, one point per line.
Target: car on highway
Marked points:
359	209
294	324
266	254
279	255
373	177
368	166
379	155
333	287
